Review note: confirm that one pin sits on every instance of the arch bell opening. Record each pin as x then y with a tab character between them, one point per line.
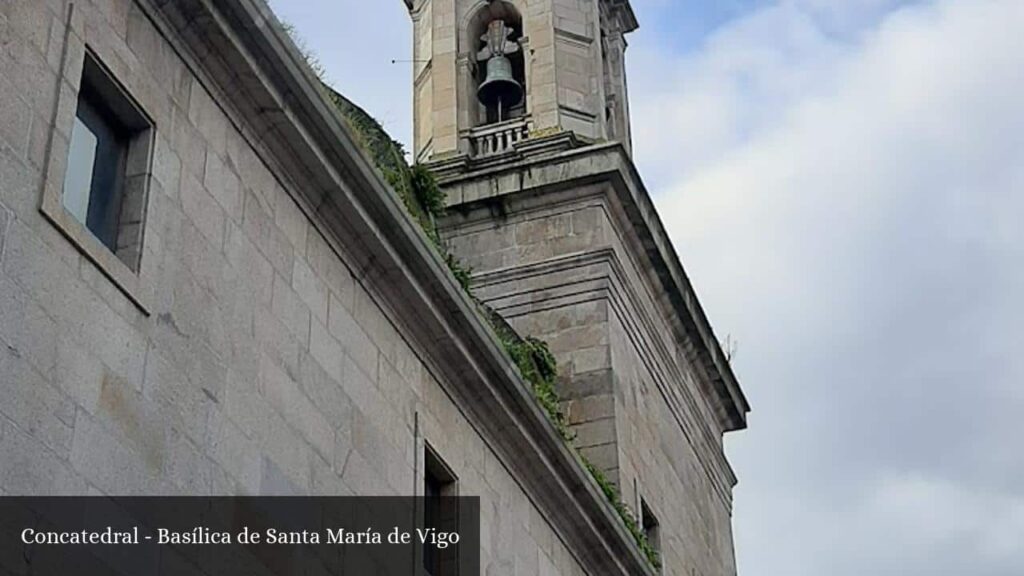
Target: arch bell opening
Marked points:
498	78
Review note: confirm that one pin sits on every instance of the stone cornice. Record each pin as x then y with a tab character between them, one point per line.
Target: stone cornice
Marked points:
622	11
415	8
610	162
248	62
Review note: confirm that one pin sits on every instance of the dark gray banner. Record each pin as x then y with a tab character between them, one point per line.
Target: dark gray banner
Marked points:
254	536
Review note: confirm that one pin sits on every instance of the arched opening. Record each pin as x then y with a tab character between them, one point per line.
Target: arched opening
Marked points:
488	42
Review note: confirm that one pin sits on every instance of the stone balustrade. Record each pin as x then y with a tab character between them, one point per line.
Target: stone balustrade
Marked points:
499	138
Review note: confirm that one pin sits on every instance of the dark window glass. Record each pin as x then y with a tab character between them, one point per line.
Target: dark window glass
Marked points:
439	514
432	489
651	527
108	163
94	180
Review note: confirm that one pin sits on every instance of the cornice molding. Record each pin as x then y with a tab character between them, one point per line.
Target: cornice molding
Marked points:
610	163
622	12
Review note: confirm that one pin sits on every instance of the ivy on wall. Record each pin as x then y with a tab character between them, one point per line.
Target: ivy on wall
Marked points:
537	365
419	192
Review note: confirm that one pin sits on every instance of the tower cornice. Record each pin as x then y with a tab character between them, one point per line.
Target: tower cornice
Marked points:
515	174
622	10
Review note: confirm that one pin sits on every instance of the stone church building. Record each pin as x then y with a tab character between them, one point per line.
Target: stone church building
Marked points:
208	286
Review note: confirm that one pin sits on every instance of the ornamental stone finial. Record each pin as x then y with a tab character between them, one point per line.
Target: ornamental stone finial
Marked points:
497	42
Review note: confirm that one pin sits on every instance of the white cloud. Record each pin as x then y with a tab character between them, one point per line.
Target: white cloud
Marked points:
912	523
849	206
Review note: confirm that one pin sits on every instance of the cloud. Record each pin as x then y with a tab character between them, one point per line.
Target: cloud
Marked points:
845	186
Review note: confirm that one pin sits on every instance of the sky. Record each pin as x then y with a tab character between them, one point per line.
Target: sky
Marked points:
844	183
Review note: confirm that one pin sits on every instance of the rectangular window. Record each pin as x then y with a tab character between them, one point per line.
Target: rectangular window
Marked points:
650	526
108	163
440	513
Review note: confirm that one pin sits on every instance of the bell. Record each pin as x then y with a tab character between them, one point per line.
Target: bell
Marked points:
500	89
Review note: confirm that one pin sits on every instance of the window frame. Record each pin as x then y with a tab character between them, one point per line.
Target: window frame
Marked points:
651	527
108	169
434	467
86	76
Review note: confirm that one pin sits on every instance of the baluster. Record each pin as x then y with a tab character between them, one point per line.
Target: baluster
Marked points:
498	139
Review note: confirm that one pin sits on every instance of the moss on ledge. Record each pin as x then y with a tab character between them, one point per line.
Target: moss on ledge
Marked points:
425	201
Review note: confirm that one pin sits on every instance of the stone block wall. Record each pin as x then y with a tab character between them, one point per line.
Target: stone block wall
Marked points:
667	466
257	362
578	67
563	266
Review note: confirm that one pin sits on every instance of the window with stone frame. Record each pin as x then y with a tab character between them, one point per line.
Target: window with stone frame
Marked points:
440	513
108	163
650	526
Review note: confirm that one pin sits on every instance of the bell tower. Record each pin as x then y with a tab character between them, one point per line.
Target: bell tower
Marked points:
522	113
489	73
